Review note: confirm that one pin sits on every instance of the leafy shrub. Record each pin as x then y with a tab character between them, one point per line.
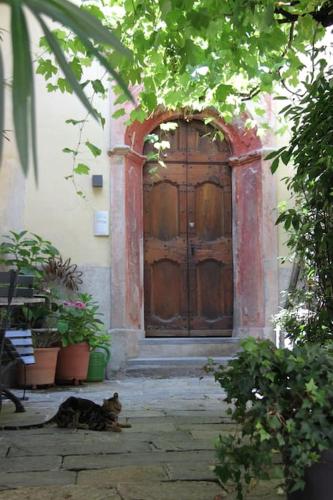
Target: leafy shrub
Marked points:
310	222
282	401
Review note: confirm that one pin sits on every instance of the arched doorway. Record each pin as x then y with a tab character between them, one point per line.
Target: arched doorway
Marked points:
188	282
254	236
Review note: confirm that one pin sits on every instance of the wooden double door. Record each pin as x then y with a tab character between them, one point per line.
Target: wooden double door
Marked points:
188	278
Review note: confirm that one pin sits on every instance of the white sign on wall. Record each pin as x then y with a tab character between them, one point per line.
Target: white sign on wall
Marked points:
101	223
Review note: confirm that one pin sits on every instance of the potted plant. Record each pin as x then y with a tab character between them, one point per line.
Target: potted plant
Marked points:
26	252
282	402
45	342
80	329
58	278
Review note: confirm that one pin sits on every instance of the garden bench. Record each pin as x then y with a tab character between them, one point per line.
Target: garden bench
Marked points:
14	344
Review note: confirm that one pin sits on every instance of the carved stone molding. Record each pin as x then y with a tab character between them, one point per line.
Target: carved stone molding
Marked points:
258	154
127	152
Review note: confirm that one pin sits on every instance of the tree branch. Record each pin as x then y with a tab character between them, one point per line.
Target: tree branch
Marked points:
252	93
323	16
288	16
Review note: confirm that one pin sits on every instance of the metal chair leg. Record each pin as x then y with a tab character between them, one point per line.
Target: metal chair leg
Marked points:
19	408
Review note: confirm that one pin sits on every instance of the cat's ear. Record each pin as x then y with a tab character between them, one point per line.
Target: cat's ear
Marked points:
115	395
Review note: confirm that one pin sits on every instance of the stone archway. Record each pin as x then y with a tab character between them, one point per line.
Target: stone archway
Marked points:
254	234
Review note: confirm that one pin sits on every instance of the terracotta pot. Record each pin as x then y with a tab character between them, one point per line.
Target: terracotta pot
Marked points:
73	363
43	371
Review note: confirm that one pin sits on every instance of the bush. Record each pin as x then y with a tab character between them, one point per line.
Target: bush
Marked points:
282	401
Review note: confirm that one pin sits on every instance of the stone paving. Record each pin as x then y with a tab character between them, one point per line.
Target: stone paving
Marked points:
168	454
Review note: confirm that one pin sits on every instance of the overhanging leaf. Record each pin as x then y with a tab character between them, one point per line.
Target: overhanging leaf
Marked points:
66	68
95	151
90	25
81	23
117	114
22	83
86	27
104	62
275	165
82	169
33	132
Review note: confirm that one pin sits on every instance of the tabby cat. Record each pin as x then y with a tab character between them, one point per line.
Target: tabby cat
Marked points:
79	413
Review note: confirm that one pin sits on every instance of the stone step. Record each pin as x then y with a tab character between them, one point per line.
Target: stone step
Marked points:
171	366
188	347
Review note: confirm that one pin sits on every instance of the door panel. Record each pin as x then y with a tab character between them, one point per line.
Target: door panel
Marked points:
210	244
164	221
203	144
166	275
208	277
187	236
209	211
165	245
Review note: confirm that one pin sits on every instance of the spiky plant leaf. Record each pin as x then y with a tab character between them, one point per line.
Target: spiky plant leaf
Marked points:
22	82
86	27
67	70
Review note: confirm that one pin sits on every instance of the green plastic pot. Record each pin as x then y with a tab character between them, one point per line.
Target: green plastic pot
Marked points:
98	361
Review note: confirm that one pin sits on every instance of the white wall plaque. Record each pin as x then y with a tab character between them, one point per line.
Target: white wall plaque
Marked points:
101	223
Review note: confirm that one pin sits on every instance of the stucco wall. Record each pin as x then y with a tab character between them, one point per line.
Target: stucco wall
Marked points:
275	141
52	208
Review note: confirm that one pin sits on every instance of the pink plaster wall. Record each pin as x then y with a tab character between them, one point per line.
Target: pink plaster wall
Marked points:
134	240
248	219
249	289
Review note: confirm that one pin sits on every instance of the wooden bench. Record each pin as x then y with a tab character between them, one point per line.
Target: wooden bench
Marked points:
18	345
14	344
22	285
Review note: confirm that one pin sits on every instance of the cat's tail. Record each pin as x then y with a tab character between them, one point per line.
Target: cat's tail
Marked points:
39	425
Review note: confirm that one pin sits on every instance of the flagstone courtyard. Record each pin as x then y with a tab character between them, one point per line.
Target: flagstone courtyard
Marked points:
167	454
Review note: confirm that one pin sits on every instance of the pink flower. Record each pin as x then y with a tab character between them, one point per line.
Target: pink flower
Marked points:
79	305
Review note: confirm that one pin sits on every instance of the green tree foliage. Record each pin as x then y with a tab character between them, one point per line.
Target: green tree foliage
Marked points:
193	55
213	53
208	52
310	222
186	54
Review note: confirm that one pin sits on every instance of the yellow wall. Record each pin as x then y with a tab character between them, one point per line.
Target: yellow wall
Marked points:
53	209
283	196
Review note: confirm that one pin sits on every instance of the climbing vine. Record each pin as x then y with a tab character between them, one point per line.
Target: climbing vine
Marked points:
310	221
